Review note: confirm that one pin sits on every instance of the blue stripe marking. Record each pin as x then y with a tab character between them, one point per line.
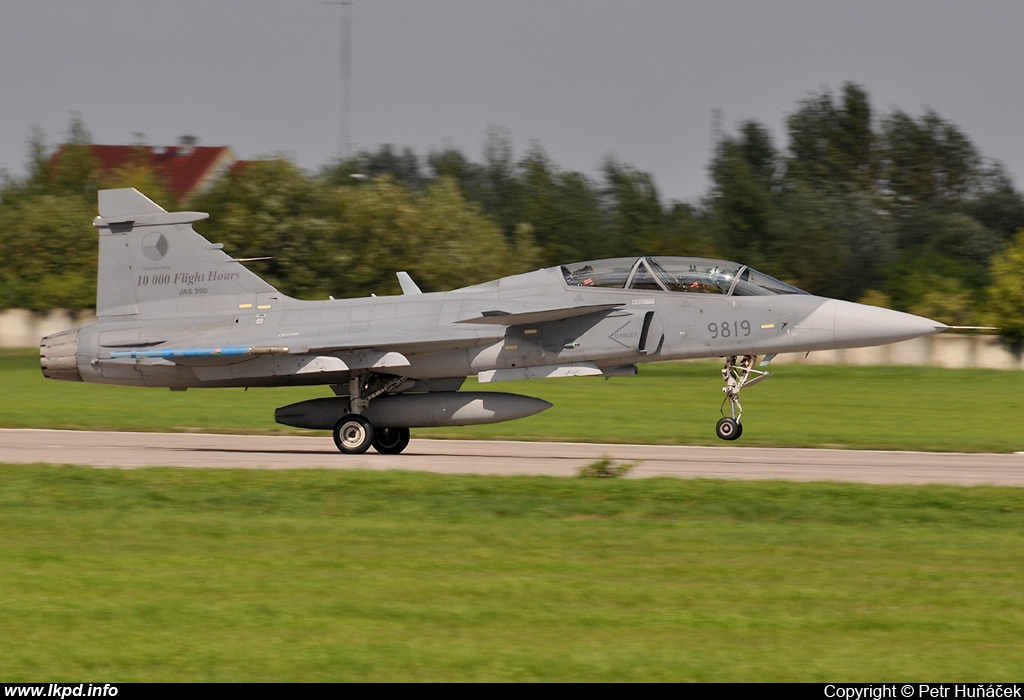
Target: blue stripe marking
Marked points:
183	352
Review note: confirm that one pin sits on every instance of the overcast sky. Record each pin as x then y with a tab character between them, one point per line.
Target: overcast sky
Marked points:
638	80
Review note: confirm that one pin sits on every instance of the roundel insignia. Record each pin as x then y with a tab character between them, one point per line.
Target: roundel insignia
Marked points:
154	246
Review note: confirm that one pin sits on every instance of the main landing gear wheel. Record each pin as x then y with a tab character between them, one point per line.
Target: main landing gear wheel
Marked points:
728	429
353	434
390	441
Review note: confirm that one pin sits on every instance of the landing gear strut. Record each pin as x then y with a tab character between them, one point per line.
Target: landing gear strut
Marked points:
737	374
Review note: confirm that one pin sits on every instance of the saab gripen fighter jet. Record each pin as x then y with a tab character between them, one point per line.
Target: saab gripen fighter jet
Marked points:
174	310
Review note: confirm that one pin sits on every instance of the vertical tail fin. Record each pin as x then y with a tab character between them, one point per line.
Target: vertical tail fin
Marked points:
152	263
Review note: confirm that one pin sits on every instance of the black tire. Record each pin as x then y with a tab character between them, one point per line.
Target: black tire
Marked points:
728	429
390	441
353	434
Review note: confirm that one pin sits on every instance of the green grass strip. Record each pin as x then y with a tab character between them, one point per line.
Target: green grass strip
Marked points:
197	575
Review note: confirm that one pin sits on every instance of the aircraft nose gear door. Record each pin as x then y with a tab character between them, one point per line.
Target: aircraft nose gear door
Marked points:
737	375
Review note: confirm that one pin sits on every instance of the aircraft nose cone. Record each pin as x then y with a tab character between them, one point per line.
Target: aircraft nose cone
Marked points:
858	325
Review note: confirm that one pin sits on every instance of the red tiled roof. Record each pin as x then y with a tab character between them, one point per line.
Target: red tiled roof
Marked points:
185	169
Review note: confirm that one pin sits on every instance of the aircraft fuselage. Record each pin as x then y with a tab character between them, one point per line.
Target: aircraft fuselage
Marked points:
644	326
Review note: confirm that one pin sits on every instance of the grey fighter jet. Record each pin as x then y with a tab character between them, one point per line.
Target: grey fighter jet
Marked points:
174	310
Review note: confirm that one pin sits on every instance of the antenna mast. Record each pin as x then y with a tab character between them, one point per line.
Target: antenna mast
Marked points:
346	75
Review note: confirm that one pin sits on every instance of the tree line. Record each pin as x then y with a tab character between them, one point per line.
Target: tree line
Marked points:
892	209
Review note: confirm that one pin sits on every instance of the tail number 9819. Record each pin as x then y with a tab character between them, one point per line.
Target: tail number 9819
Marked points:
727	329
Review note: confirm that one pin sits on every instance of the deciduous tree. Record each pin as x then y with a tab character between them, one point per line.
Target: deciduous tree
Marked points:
1005	295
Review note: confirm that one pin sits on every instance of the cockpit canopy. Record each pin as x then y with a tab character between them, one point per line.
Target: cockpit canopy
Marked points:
671	274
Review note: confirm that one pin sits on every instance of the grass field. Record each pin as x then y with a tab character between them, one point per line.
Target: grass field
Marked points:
902	408
196	575
241	575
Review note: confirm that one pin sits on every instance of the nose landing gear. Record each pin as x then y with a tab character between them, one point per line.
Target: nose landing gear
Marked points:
737	374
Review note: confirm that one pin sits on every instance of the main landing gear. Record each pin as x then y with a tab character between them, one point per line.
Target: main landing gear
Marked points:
390	441
354	434
737	374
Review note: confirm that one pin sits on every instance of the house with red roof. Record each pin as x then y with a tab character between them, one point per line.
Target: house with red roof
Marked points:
187	168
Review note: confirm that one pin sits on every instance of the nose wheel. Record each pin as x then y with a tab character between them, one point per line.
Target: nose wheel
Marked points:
728	429
737	373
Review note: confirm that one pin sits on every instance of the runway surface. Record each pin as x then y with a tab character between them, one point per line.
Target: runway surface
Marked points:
135	450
